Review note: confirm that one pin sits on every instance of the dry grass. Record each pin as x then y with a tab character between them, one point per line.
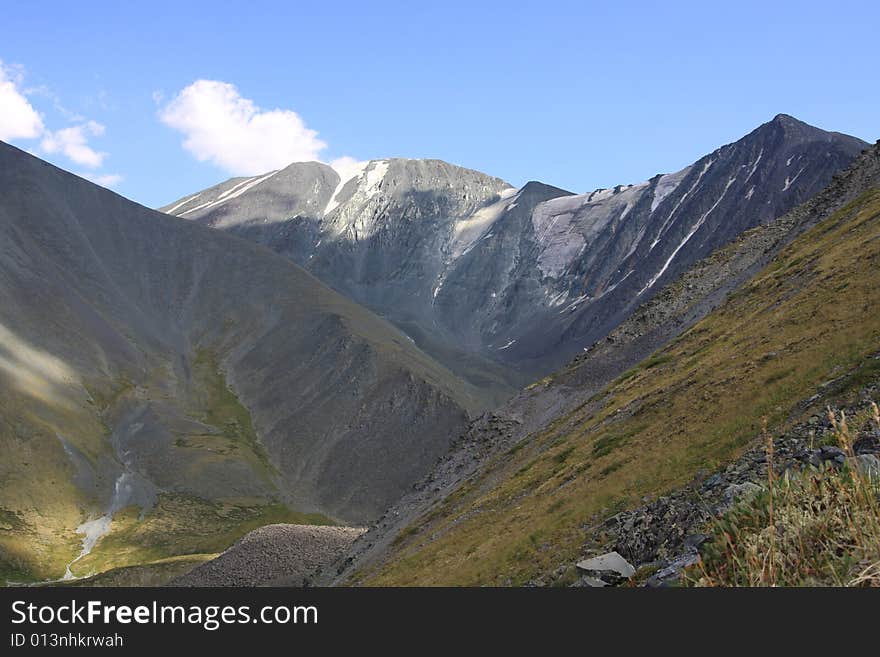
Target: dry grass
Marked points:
820	528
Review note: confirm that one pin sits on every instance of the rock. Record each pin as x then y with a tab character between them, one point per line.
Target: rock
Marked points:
867	464
713	481
608	562
694	541
813	457
665	535
741	492
671	573
867	444
593	582
833	454
274	555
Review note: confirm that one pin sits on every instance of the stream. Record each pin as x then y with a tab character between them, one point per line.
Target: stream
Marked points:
129	488
94	530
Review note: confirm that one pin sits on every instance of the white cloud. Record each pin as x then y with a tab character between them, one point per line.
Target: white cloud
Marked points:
43	91
222	127
18	118
73	142
103	179
348	167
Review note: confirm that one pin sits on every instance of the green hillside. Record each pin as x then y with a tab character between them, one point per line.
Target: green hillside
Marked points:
810	317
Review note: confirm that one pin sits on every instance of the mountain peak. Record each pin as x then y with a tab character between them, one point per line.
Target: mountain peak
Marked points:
784	119
536	186
786	129
797	129
791	125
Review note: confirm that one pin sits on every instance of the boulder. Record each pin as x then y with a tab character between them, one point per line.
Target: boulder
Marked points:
593	582
867	464
608	562
741	492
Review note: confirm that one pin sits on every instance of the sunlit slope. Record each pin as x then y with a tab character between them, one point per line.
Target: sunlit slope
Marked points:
810	317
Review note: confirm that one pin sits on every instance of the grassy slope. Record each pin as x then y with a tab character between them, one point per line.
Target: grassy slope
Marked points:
181	525
811	316
153	573
233	437
38	540
41	506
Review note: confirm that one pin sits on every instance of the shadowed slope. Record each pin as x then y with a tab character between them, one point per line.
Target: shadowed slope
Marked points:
145	358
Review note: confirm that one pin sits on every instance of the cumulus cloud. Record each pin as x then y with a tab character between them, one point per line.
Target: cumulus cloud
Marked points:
18	118
73	142
103	179
223	127
348	167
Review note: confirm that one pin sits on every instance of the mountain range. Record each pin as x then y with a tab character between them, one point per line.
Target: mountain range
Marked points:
756	341
497	282
305	346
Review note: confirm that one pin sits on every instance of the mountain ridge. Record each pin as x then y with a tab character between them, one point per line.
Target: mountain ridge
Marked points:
512	283
574	449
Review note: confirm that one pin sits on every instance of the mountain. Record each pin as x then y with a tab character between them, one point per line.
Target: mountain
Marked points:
379	236
769	328
505	285
188	384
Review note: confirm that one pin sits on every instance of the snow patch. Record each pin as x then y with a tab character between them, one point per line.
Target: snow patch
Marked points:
558	299
687	237
374	177
574	304
354	217
666	185
467	232
789	183
233	192
183	202
679	202
346	173
611	288
233	188
755	165
564	226
198	207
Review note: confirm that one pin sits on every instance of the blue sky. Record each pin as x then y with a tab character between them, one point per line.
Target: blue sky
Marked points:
161	99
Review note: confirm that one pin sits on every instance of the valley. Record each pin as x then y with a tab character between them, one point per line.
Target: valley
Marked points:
178	355
479	375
